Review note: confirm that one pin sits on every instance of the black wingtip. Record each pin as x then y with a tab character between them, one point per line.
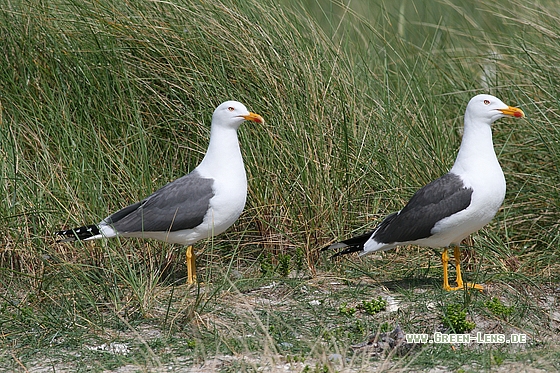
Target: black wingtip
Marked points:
77	234
351	245
348	250
328	247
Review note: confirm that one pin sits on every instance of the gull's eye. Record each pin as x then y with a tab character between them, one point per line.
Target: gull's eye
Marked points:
486	102
231	108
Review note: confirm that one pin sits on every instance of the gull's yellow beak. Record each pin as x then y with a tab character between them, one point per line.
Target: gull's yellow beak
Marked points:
513	112
253	118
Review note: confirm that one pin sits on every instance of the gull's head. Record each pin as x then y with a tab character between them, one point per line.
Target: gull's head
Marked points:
231	114
487	109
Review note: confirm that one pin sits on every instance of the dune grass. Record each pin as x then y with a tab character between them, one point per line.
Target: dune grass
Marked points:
102	102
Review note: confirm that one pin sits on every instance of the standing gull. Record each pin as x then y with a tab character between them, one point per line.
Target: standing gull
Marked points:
199	205
450	208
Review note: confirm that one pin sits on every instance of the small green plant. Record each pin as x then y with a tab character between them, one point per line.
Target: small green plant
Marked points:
498	308
345	310
374	306
299	259
284	265
318	369
498	357
455	318
360	327
385	327
267	269
282	268
295	359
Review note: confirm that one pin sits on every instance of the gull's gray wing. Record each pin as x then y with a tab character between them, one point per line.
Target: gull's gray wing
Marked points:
181	204
439	199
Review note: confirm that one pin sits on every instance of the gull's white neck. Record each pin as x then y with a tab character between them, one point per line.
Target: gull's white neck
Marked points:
478	168
476	153
223	157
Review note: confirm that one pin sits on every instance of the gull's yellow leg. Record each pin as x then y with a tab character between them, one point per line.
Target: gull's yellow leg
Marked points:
457	254
191	266
445	262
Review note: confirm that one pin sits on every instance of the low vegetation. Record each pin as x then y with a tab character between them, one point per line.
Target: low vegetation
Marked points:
102	102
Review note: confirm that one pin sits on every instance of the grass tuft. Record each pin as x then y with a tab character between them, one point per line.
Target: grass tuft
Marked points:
102	102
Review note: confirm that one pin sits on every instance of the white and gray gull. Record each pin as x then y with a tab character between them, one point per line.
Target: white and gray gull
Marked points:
447	210
199	205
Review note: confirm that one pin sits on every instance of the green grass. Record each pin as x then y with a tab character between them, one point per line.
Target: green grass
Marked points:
102	102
